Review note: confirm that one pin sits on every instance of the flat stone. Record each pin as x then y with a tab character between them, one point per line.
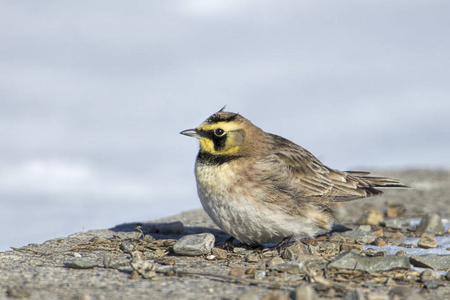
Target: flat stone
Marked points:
435	262
427	241
353	261
396	223
361	237
295	251
431	223
80	263
306	292
194	244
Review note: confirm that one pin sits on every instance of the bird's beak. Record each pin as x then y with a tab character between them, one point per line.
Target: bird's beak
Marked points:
191	132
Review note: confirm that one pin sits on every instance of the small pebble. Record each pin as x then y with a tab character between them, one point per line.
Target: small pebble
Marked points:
127	246
401	253
219	253
431	223
432	284
81	263
194	244
380	242
306	292
346	247
111	262
251	271
427	241
275	261
260	275
447	276
252	257
379	232
374	252
236	272
427	275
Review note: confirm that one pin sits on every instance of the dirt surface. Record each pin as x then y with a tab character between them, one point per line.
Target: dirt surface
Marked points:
51	270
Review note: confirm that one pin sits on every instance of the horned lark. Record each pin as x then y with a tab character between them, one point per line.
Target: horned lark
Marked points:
262	188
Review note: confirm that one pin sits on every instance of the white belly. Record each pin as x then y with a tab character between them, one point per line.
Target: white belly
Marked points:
241	213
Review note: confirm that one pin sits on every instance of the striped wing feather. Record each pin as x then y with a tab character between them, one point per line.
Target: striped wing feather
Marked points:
316	182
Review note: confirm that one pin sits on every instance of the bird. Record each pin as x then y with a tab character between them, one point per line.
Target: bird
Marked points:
261	188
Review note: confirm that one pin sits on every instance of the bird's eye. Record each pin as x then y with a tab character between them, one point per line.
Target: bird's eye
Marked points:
219	132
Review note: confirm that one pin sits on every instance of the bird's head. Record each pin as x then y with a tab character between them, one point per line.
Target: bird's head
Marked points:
225	133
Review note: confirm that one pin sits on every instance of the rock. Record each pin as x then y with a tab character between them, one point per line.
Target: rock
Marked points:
18	292
219	253
404	293
427	241
396	223
432	284
347	247
380	242
259	275
296	250
275	261
427	275
371	217
194	244
127	246
396	238
306	292
401	253
327	247
236	272
337	238
447	276
81	263
374	252
435	262
252	257
379	232
114	263
366	228
354	295
353	261
361	237
431	223
144	267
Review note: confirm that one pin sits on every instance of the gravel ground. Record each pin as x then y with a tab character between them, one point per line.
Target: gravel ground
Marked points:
52	270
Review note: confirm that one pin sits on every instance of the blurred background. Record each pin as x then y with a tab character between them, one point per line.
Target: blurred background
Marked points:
93	95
